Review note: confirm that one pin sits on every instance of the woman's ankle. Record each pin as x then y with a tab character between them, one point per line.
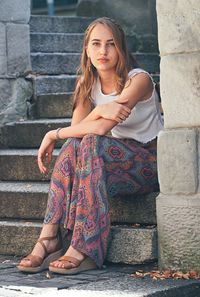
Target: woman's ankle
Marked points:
72	252
49	230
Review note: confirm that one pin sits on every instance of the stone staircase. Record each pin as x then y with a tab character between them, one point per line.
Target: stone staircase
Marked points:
55	55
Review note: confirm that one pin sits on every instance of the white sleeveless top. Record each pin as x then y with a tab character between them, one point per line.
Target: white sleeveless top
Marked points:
145	120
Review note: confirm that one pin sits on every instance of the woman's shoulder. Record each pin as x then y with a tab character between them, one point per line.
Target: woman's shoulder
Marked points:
136	71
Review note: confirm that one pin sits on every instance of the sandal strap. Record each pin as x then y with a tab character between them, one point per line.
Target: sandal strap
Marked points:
35	260
72	260
40	240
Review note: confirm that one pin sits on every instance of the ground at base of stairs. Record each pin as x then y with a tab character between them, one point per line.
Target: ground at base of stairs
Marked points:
113	280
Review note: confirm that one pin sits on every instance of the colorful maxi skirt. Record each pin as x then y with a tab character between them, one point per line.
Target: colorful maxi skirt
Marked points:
87	172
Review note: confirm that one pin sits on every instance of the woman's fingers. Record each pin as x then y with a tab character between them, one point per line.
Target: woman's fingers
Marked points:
41	164
49	157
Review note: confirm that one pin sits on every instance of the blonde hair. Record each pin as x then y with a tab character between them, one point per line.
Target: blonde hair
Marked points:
87	73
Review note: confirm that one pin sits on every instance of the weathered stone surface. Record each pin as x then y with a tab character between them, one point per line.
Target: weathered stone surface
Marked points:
18	54
180	88
18	238
112	280
68	63
198	159
131	246
178	26
59	42
57	63
131	15
21	165
147	43
29	134
23	200
179	233
15	11
54	84
54	106
27	200
128	245
133	208
59	24
3	57
14	94
177	161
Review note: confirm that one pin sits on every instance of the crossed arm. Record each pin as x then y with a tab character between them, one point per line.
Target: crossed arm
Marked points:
101	119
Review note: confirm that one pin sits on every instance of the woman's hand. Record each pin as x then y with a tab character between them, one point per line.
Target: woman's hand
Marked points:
46	150
114	111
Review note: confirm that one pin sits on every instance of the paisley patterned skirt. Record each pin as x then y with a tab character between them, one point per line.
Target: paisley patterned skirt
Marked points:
86	172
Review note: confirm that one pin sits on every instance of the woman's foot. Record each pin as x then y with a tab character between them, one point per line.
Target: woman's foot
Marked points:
40	251
72	262
47	249
71	252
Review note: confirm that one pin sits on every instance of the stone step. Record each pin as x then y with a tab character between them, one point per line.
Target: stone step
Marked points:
56	42
56	84
59	24
27	200
52	84
54	106
128	245
68	63
21	165
29	134
72	42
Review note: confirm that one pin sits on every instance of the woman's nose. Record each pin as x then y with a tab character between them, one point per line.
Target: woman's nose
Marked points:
103	50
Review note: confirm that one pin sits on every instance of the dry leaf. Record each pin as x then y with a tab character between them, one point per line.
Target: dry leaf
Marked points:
150	226
136	225
48	275
161	275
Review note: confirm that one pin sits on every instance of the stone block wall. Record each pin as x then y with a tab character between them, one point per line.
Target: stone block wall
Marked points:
15	90
178	205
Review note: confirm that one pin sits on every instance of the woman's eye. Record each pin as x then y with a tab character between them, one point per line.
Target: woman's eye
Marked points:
96	43
111	44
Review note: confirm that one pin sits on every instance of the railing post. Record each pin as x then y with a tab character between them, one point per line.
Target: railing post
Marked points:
50	4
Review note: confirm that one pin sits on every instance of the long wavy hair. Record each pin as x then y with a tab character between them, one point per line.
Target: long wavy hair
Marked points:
87	73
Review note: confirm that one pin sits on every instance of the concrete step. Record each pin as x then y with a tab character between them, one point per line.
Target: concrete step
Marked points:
29	134
128	245
27	200
64	24
72	42
55	63
54	106
21	165
68	63
56	42
59	24
52	84
56	84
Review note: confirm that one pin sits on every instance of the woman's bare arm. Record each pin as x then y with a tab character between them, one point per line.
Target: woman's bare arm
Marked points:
137	89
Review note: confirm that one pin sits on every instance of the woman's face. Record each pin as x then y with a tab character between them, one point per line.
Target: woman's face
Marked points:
101	49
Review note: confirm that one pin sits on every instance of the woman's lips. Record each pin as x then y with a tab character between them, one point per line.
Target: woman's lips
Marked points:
103	60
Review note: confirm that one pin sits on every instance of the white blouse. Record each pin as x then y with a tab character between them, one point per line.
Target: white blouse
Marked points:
144	122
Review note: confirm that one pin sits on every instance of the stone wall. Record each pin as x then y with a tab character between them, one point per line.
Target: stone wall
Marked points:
15	90
178	205
137	17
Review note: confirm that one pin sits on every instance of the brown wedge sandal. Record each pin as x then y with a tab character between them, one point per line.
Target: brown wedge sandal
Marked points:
80	266
38	263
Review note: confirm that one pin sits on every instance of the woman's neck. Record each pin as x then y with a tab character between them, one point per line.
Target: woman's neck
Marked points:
108	82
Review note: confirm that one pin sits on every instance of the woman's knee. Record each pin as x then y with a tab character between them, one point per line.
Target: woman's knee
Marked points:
91	140
72	141
90	143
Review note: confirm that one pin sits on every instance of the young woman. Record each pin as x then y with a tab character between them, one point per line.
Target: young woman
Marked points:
111	95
